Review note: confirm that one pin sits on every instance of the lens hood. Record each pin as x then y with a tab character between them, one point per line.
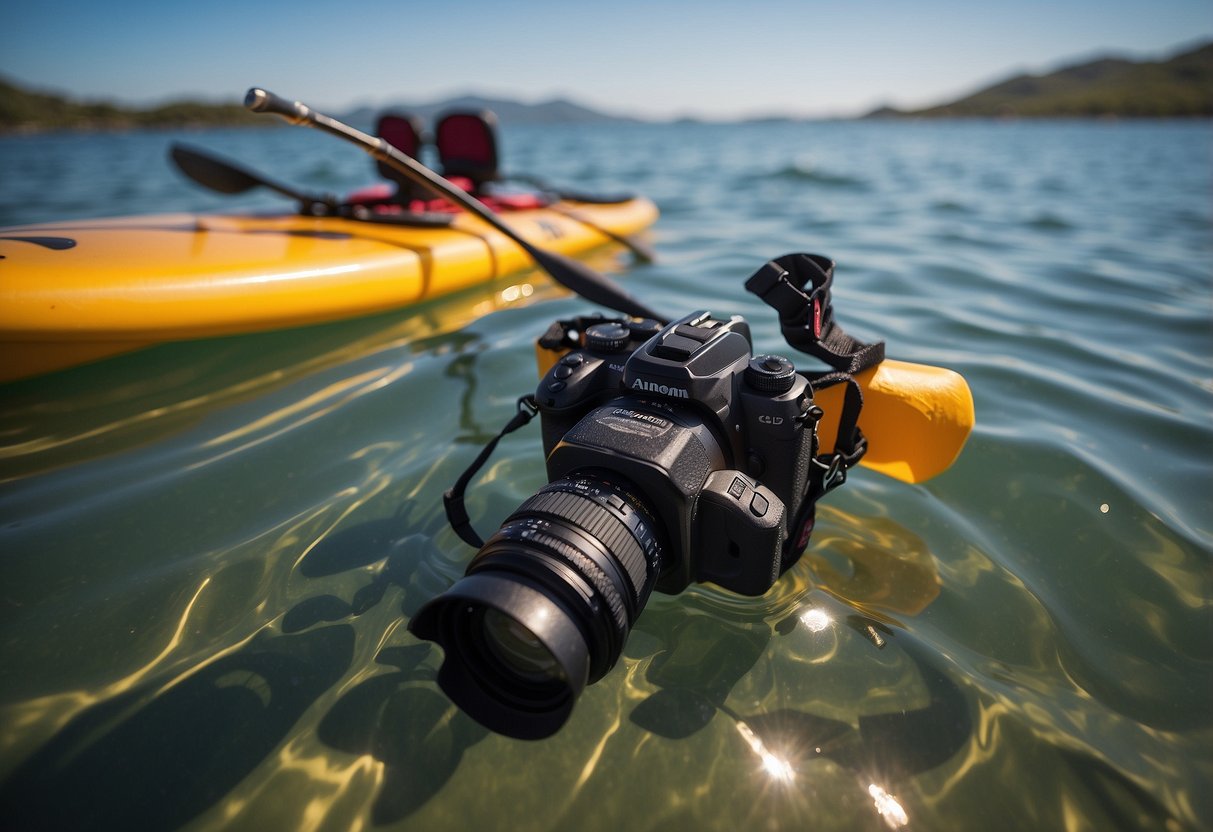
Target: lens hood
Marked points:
475	677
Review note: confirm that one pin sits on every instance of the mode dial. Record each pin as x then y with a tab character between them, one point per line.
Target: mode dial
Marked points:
772	374
606	337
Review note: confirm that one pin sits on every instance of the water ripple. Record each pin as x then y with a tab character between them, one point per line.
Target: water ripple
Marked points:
223	540
826	179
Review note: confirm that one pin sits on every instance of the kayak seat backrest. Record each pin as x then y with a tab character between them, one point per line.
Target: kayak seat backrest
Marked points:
403	132
467	145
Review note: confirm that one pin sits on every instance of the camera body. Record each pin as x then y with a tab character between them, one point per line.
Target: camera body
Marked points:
674	455
718	442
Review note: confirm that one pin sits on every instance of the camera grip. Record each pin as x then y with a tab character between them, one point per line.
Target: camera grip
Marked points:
739	533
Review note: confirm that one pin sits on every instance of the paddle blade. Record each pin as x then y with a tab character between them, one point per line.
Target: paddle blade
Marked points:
916	418
210	172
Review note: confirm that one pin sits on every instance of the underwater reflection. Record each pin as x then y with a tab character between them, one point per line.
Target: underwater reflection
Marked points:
410	728
130	401
705	658
159	755
709	649
872	563
176	742
398	718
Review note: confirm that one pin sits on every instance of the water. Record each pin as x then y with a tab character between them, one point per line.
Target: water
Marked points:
210	549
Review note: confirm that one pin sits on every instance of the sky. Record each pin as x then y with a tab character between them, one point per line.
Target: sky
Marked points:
649	58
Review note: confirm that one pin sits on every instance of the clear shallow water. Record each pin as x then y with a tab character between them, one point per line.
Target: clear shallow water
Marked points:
209	550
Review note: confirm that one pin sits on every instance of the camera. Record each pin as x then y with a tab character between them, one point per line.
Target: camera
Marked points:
673	455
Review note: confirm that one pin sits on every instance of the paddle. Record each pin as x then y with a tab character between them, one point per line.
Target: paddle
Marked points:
569	273
229	178
564	193
640	249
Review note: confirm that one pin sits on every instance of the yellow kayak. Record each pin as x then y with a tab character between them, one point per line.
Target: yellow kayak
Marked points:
77	291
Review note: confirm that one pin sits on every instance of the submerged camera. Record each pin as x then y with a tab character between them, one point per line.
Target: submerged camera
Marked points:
673	455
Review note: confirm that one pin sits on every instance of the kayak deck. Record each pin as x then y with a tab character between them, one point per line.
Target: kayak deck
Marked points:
77	291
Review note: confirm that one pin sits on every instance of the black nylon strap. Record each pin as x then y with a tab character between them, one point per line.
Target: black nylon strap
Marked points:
797	286
452	499
851	444
828	471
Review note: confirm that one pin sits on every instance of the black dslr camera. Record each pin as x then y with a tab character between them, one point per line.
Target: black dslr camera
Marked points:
687	418
673	455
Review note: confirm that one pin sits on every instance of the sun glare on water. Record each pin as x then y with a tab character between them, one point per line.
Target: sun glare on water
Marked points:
775	766
888	807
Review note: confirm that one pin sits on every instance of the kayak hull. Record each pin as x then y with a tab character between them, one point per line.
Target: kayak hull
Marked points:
78	291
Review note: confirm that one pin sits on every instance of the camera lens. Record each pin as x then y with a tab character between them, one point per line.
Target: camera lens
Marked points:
520	650
546	604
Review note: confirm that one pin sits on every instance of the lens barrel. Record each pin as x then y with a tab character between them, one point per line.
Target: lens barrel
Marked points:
546	605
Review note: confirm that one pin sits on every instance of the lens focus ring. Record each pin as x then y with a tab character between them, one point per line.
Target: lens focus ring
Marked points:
598	522
569	553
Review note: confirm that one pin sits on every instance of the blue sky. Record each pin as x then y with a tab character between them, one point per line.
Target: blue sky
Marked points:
714	59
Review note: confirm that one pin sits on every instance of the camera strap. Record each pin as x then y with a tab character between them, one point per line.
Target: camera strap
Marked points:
452	498
797	286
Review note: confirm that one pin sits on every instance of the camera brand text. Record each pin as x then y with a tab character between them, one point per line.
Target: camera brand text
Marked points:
665	390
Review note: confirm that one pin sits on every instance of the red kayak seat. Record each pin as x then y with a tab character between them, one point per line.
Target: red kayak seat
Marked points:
466	141
467	151
404	132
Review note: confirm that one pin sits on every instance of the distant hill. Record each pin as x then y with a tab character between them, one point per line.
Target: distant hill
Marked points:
24	110
556	111
1179	87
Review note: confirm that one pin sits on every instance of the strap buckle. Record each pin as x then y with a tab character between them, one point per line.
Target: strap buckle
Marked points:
832	471
528	405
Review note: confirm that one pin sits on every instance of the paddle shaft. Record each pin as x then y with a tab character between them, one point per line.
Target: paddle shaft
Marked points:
576	276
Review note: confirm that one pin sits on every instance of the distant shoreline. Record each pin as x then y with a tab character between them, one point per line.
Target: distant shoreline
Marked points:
97	129
1180	87
904	120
